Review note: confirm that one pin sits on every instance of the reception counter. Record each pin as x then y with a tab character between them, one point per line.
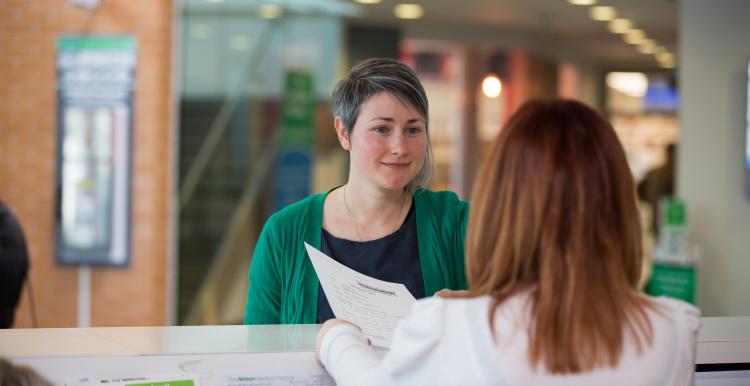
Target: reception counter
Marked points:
238	355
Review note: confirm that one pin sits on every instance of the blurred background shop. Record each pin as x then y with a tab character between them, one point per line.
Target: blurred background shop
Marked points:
144	143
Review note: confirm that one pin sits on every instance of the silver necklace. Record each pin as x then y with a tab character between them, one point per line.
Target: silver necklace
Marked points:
356	223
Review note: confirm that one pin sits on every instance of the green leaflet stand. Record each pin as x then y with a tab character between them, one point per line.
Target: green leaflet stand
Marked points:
673	273
673	281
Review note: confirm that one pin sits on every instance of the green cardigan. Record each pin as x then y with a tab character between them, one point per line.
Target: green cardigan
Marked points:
284	287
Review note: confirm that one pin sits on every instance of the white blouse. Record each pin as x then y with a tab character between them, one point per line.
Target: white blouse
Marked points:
449	342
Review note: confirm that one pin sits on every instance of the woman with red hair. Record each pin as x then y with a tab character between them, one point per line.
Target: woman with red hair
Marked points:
554	262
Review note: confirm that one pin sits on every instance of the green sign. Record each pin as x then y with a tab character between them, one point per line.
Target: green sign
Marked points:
298	110
179	382
96	42
674	281
674	213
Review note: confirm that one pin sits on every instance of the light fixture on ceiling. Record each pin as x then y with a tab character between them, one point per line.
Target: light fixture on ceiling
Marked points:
369	1
665	56
667	64
620	25
602	13
270	11
492	86
215	1
630	83
582	2
625	27
408	11
635	37
665	59
647	46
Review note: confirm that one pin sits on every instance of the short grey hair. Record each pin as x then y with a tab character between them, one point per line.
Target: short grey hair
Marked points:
372	76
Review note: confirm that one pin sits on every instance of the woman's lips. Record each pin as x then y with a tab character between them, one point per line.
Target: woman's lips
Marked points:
396	165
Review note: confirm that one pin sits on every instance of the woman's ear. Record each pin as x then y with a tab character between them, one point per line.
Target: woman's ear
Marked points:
341	133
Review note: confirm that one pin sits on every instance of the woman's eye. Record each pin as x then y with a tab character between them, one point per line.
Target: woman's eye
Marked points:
414	130
381	130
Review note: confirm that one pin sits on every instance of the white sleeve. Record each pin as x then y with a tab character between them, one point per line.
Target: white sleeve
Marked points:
688	319
411	360
346	354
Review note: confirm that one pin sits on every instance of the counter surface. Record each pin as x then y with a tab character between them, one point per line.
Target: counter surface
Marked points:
720	340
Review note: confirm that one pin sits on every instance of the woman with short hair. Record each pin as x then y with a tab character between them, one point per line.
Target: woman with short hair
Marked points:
382	222
553	259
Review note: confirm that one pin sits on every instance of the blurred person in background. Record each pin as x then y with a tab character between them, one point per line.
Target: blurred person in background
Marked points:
383	222
658	184
553	259
14	265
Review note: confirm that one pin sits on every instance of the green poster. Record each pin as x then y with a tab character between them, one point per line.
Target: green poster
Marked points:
298	110
674	281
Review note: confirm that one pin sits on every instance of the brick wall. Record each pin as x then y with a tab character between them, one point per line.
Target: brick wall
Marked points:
136	295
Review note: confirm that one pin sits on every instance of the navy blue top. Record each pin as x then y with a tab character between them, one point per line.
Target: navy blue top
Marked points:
393	258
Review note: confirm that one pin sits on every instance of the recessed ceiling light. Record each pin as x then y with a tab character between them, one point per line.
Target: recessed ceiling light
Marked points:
647	46
408	11
369	1
270	11
491	86
582	2
620	26
215	1
634	37
667	63
602	13
630	83
665	57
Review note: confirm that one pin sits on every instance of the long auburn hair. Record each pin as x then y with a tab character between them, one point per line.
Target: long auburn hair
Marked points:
554	213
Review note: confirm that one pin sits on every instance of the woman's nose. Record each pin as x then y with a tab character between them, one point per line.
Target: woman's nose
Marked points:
398	144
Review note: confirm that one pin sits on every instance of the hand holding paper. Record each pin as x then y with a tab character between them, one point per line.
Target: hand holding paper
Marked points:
373	305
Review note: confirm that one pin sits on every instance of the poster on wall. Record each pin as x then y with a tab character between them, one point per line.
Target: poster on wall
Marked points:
95	82
293	177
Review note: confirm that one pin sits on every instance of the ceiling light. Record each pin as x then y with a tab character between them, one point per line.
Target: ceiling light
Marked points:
582	2
270	11
368	1
408	11
215	1
634	37
491	86
666	63
630	83
647	46
665	57
620	26
602	13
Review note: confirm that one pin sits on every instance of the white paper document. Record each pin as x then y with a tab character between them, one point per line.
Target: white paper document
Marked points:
373	305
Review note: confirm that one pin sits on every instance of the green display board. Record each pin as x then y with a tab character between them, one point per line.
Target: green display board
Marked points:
674	281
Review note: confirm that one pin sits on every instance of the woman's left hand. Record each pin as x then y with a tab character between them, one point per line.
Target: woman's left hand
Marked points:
327	326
